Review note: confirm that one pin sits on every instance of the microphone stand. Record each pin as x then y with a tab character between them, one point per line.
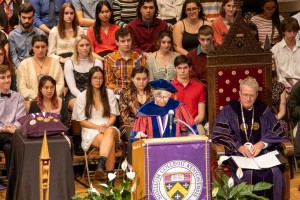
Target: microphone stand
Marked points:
179	120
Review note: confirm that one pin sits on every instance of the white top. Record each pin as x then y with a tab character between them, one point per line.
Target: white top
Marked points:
168	9
57	45
96	116
83	67
287	61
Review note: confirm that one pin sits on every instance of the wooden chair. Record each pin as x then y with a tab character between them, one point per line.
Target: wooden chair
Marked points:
239	56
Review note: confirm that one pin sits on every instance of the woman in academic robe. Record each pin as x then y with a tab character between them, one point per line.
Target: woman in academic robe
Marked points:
154	118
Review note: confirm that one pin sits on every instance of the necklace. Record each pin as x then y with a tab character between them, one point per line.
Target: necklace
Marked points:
42	65
141	95
245	128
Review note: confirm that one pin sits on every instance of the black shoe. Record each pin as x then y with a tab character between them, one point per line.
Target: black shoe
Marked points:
100	173
78	151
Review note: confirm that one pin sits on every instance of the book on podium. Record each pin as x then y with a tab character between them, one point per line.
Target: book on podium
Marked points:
172	168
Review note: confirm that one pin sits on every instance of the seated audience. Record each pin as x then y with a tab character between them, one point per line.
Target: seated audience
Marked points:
161	62
169	11
97	109
190	92
267	22
103	31
4	60
46	13
11	109
248	128
153	119
119	64
198	55
76	75
32	69
222	23
9	15
278	96
146	26
21	37
185	31
62	37
124	11
286	54
48	101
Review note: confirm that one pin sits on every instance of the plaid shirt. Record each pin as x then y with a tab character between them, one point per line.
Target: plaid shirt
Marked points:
118	70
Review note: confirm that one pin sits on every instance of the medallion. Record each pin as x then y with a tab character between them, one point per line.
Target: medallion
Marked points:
50	117
244	127
32	122
46	120
40	118
55	120
255	126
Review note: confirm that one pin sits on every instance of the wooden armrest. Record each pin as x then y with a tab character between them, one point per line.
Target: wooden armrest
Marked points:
218	149
288	148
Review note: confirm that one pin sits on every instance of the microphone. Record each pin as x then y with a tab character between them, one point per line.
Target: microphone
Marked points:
171	120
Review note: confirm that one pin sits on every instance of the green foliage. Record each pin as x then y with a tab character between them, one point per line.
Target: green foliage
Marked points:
223	188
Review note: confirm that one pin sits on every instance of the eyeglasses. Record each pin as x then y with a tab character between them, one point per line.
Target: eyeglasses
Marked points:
97	78
191	10
159	98
251	96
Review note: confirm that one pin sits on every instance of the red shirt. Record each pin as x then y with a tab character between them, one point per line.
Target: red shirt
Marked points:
191	95
108	41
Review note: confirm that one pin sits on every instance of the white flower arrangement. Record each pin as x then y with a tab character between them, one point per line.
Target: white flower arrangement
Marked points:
108	191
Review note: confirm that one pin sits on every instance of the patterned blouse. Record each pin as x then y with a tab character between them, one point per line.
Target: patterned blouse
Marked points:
129	105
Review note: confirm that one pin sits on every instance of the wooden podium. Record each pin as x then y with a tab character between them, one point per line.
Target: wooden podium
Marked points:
172	168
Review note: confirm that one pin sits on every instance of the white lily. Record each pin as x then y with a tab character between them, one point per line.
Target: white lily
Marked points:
215	192
124	164
133	187
130	175
222	159
230	182
129	167
104	185
239	173
111	176
93	190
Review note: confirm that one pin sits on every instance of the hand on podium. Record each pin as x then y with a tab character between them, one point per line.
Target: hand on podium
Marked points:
140	135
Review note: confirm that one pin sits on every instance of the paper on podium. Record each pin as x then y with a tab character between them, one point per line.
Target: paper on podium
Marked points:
261	162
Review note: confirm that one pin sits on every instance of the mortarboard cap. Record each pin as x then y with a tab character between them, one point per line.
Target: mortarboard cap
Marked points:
161	84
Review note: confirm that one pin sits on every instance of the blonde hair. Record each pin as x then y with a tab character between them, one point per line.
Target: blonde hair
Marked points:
250	82
75	55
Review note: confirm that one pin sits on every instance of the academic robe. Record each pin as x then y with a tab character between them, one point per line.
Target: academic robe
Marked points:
227	131
154	120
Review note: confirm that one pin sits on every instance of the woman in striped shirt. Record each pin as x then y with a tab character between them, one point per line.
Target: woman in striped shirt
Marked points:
268	22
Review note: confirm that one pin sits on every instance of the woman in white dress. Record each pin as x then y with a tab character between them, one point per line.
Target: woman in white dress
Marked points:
96	110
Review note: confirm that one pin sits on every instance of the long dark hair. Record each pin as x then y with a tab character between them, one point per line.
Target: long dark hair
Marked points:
275	16
40	97
98	23
6	60
201	14
61	26
90	92
38	38
137	70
